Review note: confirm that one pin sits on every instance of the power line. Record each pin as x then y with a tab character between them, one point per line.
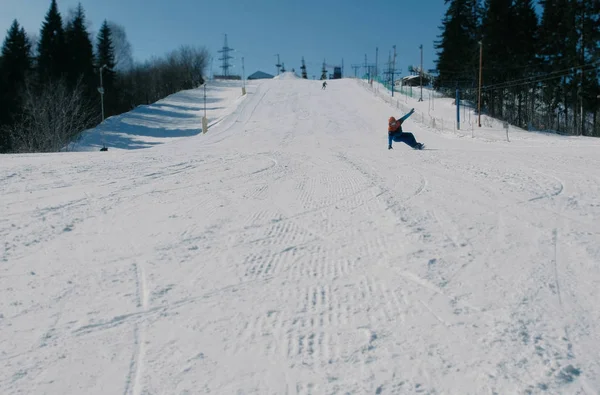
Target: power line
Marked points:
532	79
545	77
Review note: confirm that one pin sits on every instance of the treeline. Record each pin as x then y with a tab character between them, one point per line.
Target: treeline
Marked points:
541	72
49	85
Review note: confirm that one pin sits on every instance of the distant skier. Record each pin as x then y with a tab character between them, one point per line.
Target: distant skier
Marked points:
324	85
396	134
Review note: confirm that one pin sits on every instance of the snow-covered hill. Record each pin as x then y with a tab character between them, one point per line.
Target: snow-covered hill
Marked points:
177	116
288	251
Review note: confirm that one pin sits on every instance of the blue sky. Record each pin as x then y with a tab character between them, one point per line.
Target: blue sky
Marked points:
259	29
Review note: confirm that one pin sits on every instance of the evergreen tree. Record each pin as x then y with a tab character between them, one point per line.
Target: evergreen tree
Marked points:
14	67
499	41
105	62
52	58
525	58
558	51
458	46
526	36
80	52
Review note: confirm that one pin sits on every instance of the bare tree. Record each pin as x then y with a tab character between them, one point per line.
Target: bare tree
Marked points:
193	62
123	52
52	118
33	39
157	78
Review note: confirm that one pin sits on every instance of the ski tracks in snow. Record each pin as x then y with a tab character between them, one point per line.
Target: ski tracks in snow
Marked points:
278	254
134	381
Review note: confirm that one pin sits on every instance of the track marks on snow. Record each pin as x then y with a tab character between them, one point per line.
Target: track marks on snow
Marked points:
321	262
555	264
322	324
324	189
556	188
133	384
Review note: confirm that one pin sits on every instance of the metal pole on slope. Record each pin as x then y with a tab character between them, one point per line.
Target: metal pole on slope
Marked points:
393	69
243	78
457	109
204	119
421	72
480	75
278	65
101	91
376	61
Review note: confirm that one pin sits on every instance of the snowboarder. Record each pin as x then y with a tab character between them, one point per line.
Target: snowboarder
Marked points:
324	85
396	134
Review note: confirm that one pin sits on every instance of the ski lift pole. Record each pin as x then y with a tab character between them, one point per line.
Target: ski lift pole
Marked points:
457	109
243	78
204	119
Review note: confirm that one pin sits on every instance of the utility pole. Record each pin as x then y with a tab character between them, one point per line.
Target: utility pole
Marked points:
278	65
393	69
101	91
303	68
480	77
421	72
389	63
204	118
376	61
243	78
356	67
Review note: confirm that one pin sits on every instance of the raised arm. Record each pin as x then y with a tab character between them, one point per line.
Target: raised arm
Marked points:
407	115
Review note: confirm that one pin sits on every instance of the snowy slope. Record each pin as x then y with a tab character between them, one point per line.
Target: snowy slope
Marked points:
288	251
438	114
176	116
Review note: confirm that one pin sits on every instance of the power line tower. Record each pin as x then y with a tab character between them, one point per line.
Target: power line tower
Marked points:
391	71
303	68
369	67
225	51
324	71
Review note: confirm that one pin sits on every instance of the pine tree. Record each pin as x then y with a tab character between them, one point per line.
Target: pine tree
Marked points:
525	58
105	62
558	51
80	52
52	58
458	56
500	38
14	67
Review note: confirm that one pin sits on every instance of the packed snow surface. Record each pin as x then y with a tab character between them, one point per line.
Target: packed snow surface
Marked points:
288	251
